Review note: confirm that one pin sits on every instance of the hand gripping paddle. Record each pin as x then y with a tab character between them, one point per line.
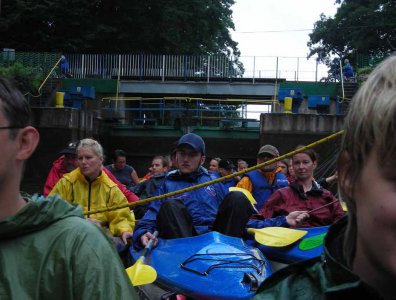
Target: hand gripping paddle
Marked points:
139	273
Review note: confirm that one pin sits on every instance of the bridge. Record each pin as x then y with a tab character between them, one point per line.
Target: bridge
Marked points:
145	115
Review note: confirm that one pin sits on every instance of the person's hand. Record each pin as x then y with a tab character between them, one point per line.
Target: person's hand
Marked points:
332	178
126	237
95	222
145	238
296	217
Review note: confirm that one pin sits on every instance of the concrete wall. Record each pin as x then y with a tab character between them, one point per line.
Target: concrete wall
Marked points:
57	127
286	131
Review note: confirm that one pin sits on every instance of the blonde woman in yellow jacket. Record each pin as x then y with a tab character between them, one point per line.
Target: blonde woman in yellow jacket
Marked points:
92	189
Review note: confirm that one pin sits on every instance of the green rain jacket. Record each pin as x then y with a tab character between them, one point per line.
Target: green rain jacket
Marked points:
48	251
324	277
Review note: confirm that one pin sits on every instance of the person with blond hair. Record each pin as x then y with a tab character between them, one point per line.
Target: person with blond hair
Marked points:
360	249
90	187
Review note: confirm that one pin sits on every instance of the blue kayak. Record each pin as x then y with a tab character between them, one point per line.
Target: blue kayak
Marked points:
311	245
208	266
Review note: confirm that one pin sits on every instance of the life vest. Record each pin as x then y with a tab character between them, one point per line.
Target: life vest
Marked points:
262	189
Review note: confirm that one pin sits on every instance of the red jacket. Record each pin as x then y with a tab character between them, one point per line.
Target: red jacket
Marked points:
54	175
57	171
292	198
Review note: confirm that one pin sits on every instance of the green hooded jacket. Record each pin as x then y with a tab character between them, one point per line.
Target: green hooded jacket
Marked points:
325	277
48	251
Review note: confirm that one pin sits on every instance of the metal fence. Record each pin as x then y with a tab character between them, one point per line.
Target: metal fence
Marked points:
182	67
168	67
213	67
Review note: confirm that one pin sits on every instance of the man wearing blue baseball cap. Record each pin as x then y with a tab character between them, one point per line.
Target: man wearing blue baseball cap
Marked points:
196	211
193	212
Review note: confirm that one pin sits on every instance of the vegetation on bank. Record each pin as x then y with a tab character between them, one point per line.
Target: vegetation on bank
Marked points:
27	79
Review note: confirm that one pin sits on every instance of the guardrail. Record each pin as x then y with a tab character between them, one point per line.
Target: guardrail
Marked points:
185	67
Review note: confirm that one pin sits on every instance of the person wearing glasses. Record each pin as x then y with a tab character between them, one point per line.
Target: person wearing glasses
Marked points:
47	249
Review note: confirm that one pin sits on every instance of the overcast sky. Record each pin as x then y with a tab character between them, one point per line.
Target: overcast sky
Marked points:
265	27
276	28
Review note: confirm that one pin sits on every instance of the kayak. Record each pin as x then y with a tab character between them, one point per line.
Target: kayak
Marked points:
209	266
311	245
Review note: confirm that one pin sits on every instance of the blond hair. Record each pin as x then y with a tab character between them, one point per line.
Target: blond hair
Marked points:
370	124
92	144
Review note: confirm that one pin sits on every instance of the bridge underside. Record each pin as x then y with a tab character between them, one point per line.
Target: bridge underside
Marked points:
263	90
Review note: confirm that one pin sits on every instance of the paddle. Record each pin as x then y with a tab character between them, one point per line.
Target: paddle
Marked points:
276	236
312	242
320	207
140	273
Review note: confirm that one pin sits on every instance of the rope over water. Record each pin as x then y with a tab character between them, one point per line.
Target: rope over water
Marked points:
198	186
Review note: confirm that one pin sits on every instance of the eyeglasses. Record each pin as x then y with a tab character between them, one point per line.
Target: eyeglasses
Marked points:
11	127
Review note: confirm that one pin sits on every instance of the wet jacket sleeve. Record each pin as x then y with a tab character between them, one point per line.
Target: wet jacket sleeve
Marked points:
149	221
147	224
97	270
120	220
63	189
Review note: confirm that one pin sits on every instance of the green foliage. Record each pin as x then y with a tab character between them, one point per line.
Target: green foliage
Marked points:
27	79
359	26
119	26
363	73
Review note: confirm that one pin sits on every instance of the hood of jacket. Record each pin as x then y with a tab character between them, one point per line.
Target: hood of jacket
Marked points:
36	215
58	166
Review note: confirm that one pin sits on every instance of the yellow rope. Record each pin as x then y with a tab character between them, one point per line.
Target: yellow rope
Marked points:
45	80
198	186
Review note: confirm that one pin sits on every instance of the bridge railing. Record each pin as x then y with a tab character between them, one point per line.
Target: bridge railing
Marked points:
187	67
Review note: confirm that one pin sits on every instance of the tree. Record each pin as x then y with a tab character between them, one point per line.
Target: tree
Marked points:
122	26
27	79
359	26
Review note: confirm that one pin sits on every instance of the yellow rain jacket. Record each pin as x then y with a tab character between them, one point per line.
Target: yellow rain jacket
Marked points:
100	193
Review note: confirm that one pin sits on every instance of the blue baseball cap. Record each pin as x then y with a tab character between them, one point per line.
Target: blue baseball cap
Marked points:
193	140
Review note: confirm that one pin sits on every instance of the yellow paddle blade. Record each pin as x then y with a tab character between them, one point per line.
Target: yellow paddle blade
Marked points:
245	192
276	236
141	274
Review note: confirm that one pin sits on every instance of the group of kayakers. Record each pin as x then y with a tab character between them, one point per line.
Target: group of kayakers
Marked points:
359	256
215	208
